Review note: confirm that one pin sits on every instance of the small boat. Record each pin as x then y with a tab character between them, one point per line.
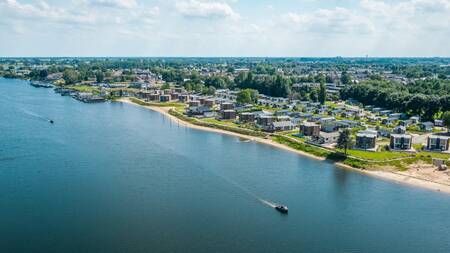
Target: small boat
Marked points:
51	121
282	209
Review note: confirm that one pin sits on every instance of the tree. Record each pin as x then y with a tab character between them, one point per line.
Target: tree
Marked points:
322	93
313	96
254	94
329	79
345	78
70	76
43	74
165	86
446	119
244	97
209	91
345	140
99	77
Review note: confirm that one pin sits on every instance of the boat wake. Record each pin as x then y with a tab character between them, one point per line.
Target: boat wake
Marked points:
249	193
36	115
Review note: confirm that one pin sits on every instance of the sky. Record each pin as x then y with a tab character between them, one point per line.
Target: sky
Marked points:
225	28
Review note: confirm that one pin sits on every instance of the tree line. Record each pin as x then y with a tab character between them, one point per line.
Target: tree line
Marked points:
415	98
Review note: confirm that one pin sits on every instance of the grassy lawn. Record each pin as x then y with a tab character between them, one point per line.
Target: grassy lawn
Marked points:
434	155
164	104
377	156
220	122
84	88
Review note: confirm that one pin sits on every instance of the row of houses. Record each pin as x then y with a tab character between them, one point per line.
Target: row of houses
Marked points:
367	139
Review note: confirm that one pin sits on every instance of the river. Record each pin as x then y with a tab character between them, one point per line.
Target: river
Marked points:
113	177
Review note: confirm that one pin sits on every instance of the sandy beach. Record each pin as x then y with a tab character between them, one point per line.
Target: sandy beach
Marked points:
411	178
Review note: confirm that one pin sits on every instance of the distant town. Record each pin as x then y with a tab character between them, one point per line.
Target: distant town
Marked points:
367	113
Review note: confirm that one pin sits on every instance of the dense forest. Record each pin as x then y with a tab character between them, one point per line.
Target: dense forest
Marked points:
426	98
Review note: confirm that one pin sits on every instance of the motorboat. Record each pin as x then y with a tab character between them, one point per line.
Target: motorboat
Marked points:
282	209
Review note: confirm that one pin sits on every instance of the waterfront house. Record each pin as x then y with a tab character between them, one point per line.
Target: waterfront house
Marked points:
438	143
194	103
228	114
199	111
164	98
400	142
366	140
281	126
183	98
309	129
325	138
154	97
265	120
174	96
247	117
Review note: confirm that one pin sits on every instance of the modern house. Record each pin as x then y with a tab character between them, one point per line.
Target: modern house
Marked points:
226	106
228	114
164	98
426	126
247	117
438	143
309	129
401	142
281	126
366	140
399	130
326	138
265	120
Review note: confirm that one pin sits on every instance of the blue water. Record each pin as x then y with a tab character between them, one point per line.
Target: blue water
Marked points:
113	177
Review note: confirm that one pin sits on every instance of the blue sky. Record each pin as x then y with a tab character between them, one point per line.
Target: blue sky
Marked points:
225	28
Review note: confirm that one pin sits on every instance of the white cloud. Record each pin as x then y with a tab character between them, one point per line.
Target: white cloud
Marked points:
115	3
338	20
43	11
205	9
190	27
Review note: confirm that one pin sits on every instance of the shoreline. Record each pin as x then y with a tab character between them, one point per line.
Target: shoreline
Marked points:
385	175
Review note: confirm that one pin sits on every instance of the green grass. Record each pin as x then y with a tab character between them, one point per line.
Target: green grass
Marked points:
84	88
164	104
376	156
230	128
219	122
301	146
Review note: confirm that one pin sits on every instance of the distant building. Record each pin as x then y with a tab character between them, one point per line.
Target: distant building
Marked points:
401	141
399	130
426	126
438	143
